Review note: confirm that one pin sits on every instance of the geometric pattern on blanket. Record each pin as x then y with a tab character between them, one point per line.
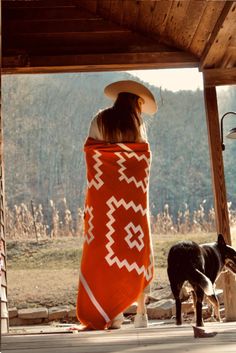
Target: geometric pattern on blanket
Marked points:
117	258
97	182
123	158
88	233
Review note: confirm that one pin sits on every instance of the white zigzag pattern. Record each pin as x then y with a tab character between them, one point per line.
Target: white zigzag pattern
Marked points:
130	153
89	237
98	182
124	263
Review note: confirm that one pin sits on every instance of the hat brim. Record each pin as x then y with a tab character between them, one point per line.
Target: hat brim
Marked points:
129	86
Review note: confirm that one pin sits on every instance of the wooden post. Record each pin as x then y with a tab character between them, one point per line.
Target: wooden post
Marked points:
4	307
219	190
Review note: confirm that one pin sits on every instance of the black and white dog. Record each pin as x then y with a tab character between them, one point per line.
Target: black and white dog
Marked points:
200	265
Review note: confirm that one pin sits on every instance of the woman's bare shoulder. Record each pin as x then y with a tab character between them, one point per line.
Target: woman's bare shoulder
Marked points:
94	130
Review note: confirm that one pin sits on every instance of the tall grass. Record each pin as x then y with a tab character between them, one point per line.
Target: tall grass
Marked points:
23	222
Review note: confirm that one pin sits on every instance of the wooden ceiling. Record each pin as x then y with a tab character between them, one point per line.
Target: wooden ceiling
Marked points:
92	35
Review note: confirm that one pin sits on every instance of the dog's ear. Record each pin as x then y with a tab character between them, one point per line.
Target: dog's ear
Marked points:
221	242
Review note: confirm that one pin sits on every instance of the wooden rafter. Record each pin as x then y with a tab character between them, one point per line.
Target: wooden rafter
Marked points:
219	77
50	28
65	38
97	62
220	38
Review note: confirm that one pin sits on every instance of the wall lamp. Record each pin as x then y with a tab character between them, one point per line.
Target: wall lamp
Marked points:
231	134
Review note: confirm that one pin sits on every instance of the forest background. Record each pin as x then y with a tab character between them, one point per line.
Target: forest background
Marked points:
46	120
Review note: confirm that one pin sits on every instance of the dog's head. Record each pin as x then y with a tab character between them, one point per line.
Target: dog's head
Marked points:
228	254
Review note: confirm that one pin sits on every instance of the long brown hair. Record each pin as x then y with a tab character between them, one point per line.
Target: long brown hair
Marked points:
122	121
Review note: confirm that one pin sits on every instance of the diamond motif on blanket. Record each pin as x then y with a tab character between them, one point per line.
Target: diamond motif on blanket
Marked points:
115	238
135	236
123	157
88	236
96	181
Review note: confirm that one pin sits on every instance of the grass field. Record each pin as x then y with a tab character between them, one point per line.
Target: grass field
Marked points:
46	273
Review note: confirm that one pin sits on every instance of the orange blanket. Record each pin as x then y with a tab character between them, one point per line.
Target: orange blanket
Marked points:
117	260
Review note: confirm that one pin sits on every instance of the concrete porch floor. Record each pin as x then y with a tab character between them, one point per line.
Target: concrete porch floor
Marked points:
158	337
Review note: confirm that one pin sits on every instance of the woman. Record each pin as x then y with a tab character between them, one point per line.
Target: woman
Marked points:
117	156
123	121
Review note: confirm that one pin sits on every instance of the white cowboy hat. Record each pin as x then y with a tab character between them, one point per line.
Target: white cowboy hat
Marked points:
149	106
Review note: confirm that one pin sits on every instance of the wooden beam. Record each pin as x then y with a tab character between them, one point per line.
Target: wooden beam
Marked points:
219	77
78	43
81	42
219	190
206	24
220	37
59	26
4	307
97	62
58	12
190	23
217	168
229	59
160	16
89	5
36	3
176	16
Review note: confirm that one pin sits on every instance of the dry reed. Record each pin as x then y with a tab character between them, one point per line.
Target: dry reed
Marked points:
22	224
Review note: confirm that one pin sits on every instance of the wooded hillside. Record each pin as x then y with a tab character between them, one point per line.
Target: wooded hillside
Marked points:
46	118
